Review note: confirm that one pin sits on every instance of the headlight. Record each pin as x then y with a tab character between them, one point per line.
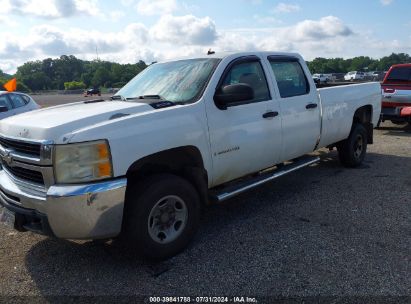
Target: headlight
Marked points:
83	162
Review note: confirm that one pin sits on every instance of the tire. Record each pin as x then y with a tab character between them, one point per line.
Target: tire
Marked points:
161	216
352	151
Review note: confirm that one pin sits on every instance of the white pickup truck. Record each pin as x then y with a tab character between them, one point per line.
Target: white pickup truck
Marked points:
178	136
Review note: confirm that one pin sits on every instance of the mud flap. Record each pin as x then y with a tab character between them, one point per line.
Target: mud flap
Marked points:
370	132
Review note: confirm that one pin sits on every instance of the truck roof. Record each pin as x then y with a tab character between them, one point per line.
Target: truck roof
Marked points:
401	65
222	55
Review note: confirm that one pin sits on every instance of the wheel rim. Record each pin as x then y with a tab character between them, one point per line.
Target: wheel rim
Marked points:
167	219
358	146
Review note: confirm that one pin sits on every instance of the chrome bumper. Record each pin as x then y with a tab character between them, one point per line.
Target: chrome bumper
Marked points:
87	211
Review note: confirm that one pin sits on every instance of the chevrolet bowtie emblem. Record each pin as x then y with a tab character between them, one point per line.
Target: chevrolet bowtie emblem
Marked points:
7	158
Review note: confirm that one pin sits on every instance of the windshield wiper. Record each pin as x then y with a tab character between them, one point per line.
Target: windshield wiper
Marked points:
158	99
149	97
118	97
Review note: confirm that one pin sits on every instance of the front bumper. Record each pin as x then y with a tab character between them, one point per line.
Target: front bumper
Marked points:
86	211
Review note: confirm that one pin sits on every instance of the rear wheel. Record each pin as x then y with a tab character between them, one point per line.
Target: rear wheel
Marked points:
161	216
352	151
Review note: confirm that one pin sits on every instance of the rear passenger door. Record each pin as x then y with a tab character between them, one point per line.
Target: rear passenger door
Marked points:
299	104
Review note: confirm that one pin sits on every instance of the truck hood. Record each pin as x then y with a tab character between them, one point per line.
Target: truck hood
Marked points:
54	123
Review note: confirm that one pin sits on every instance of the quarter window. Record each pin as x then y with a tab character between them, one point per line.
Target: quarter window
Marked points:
290	77
26	98
250	73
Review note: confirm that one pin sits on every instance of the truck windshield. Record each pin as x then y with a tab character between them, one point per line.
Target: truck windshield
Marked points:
180	81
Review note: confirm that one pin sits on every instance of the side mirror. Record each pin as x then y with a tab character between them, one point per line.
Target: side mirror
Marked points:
3	109
231	94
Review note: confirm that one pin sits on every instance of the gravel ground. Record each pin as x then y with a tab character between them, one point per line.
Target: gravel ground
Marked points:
324	231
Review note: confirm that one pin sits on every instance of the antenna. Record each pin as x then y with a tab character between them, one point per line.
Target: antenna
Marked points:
210	52
97	53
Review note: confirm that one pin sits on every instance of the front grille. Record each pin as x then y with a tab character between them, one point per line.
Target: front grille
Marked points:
20	146
25	174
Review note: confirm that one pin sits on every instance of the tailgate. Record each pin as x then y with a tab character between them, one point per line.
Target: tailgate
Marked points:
395	95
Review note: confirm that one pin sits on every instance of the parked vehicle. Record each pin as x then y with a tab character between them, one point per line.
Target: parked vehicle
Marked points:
92	91
396	92
354	75
180	135
377	76
338	76
12	103
321	78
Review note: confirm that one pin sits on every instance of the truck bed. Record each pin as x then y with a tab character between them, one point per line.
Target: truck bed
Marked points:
340	102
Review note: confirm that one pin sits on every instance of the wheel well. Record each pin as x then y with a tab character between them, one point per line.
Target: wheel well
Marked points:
186	162
363	116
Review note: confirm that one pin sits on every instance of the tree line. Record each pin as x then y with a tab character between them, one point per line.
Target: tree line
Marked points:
361	63
69	72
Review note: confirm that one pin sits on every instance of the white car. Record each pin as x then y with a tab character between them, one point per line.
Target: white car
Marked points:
12	103
180	135
354	75
321	78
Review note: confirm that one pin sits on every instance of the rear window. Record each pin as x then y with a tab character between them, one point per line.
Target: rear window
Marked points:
400	74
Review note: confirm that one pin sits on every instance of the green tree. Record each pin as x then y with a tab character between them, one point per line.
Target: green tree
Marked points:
101	75
74	85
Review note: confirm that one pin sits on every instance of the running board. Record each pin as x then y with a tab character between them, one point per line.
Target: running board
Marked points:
223	194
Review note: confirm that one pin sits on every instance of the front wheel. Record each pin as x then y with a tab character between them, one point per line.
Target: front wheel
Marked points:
161	216
352	150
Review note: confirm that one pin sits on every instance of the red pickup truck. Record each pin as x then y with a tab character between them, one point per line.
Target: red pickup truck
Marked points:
396	94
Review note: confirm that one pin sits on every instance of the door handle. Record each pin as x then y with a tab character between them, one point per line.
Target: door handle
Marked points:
311	106
270	114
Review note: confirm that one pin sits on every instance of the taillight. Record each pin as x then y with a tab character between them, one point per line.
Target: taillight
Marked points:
389	90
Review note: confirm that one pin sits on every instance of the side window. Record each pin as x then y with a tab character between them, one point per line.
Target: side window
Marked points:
5	102
291	80
17	100
250	73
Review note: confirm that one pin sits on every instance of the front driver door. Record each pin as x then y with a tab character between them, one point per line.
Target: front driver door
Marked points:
242	140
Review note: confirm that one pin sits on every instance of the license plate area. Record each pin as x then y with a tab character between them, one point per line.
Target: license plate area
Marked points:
7	217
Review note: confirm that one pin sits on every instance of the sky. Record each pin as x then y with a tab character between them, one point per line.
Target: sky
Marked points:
127	31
